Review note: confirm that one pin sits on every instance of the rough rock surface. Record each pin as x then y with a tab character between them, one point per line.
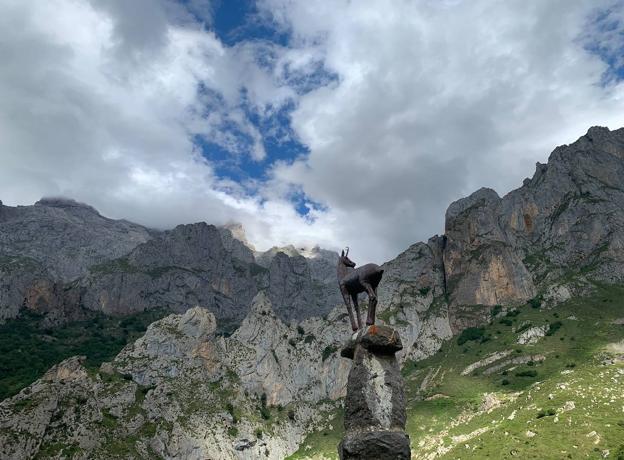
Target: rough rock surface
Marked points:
495	251
375	405
532	335
63	258
183	392
546	241
66	237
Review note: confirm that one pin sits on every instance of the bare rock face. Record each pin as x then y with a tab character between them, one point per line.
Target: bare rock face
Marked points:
567	219
60	256
288	363
375	403
183	392
482	266
65	236
64	259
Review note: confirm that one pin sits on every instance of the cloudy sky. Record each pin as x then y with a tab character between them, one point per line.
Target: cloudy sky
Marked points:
330	122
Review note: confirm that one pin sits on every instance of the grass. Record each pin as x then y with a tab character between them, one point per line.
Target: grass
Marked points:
27	349
322	443
534	419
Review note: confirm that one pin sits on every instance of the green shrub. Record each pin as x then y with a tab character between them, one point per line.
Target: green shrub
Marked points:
554	327
536	302
524	327
470	334
528	373
328	351
28	348
265	413
496	310
547	413
505	382
424	290
230	408
506	321
300	330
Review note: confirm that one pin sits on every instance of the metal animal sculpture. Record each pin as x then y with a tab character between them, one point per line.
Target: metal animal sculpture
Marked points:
352	281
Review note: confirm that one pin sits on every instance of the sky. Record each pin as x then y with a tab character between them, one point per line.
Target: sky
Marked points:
333	123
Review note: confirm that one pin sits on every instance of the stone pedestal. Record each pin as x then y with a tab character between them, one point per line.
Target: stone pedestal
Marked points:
375	403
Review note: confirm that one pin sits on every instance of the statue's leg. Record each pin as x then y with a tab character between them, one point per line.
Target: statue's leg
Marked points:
357	309
372	307
347	301
372	293
372	303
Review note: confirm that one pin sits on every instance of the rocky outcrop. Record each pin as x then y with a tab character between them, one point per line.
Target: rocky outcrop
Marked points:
375	405
184	392
62	258
482	266
543	241
197	265
567	218
66	237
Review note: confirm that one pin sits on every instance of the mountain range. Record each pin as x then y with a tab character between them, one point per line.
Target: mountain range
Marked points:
244	361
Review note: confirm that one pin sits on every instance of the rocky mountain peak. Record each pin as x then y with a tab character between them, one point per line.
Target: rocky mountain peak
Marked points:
483	198
601	138
237	231
65	203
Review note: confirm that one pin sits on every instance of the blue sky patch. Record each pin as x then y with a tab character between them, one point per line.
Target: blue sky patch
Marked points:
235	22
238	20
605	39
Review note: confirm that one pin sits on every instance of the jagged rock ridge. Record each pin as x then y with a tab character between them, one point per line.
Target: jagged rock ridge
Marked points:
544	241
63	258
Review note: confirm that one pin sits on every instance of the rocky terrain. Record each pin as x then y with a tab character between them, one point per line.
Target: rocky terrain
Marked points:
186	390
64	259
181	391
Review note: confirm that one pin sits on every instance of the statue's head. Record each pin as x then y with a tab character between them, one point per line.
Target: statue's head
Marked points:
344	258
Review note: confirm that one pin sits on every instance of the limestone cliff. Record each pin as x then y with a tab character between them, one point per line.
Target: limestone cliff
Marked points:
182	391
64	259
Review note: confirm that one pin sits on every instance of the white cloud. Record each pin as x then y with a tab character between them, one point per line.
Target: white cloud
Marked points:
434	101
101	100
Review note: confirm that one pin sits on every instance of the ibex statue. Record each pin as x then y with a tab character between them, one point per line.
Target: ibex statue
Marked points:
352	281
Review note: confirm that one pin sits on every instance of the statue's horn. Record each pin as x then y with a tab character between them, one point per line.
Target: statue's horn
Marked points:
347	252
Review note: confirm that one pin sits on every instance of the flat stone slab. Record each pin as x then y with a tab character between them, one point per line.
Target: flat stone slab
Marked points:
376	339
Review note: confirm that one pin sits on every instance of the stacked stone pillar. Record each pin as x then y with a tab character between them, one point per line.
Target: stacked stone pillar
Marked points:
375	403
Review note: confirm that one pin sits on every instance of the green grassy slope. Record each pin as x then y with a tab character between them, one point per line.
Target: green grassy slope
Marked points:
568	405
